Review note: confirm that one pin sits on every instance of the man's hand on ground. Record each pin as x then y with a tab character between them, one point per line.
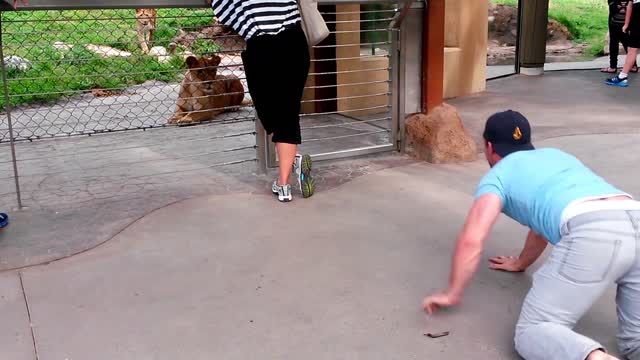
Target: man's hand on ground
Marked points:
443	299
507	263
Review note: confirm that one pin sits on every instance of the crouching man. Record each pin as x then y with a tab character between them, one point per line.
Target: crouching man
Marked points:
594	228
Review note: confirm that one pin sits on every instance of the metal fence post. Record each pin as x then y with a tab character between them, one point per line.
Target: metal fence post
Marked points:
8	110
261	147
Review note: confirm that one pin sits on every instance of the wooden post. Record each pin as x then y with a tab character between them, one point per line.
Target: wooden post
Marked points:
433	55
533	36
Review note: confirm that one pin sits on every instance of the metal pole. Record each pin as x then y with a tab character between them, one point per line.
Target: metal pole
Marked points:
8	110
519	38
394	75
261	148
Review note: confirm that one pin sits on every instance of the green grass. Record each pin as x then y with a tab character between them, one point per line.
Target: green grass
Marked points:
585	19
57	73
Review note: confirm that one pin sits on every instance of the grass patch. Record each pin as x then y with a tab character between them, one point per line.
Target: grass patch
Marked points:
585	19
56	73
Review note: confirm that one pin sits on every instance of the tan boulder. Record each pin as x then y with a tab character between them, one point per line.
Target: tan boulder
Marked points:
439	137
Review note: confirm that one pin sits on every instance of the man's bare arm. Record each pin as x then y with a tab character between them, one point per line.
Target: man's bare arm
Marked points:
627	20
466	258
482	216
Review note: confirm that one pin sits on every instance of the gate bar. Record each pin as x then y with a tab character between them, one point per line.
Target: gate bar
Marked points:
7	103
7	5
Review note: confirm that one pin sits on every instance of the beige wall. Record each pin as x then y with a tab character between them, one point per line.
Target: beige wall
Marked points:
465	60
350	68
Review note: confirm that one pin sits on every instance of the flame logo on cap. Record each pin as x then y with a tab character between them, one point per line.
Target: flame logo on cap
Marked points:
517	135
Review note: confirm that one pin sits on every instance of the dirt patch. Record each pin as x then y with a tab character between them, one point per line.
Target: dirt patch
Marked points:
109	92
503	34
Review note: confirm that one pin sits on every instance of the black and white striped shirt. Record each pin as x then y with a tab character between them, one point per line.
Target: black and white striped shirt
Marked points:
257	17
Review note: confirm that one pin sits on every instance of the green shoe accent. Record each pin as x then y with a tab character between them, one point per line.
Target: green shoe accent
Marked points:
306	165
308	187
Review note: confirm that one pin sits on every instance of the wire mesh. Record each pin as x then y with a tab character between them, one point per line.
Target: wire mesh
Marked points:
75	72
91	72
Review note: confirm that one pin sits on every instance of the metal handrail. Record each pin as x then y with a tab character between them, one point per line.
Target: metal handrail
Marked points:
7	5
31	5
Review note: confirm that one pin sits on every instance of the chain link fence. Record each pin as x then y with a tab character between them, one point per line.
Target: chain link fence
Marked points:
75	72
90	72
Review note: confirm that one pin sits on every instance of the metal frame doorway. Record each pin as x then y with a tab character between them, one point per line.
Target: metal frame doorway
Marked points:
352	104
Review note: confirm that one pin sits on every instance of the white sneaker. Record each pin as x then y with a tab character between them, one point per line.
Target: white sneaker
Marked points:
302	170
283	191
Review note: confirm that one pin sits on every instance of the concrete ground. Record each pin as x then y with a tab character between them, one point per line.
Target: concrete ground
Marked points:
236	275
99	184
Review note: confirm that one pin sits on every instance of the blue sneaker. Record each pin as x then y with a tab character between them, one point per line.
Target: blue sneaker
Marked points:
4	220
616	81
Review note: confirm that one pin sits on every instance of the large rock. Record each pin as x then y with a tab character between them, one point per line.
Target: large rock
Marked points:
16	63
107	51
439	137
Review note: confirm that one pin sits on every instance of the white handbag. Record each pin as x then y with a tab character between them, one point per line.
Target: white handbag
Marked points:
313	24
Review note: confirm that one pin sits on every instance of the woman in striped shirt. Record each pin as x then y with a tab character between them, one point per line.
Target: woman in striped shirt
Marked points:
276	64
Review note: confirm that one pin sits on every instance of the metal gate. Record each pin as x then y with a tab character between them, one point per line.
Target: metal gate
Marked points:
351	102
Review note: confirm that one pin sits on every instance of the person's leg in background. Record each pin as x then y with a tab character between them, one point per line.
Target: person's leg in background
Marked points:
621	80
632	55
615	32
625	42
581	267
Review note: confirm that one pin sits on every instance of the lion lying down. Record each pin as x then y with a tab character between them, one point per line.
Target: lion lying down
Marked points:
204	94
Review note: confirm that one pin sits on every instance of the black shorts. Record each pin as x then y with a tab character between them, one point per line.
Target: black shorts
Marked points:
633	37
276	67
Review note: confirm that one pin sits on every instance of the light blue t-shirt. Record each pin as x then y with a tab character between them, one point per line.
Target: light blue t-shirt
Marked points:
537	185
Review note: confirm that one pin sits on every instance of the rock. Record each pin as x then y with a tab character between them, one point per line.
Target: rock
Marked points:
59	45
106	51
186	54
439	137
160	52
16	63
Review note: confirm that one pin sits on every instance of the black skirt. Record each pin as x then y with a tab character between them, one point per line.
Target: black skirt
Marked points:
276	67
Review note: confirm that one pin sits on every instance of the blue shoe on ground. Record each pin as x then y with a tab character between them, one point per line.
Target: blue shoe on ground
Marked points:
616	81
4	220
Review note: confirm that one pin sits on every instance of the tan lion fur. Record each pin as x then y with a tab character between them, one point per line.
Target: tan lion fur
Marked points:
204	94
146	27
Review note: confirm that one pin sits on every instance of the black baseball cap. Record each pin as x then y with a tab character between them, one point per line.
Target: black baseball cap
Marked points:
508	132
